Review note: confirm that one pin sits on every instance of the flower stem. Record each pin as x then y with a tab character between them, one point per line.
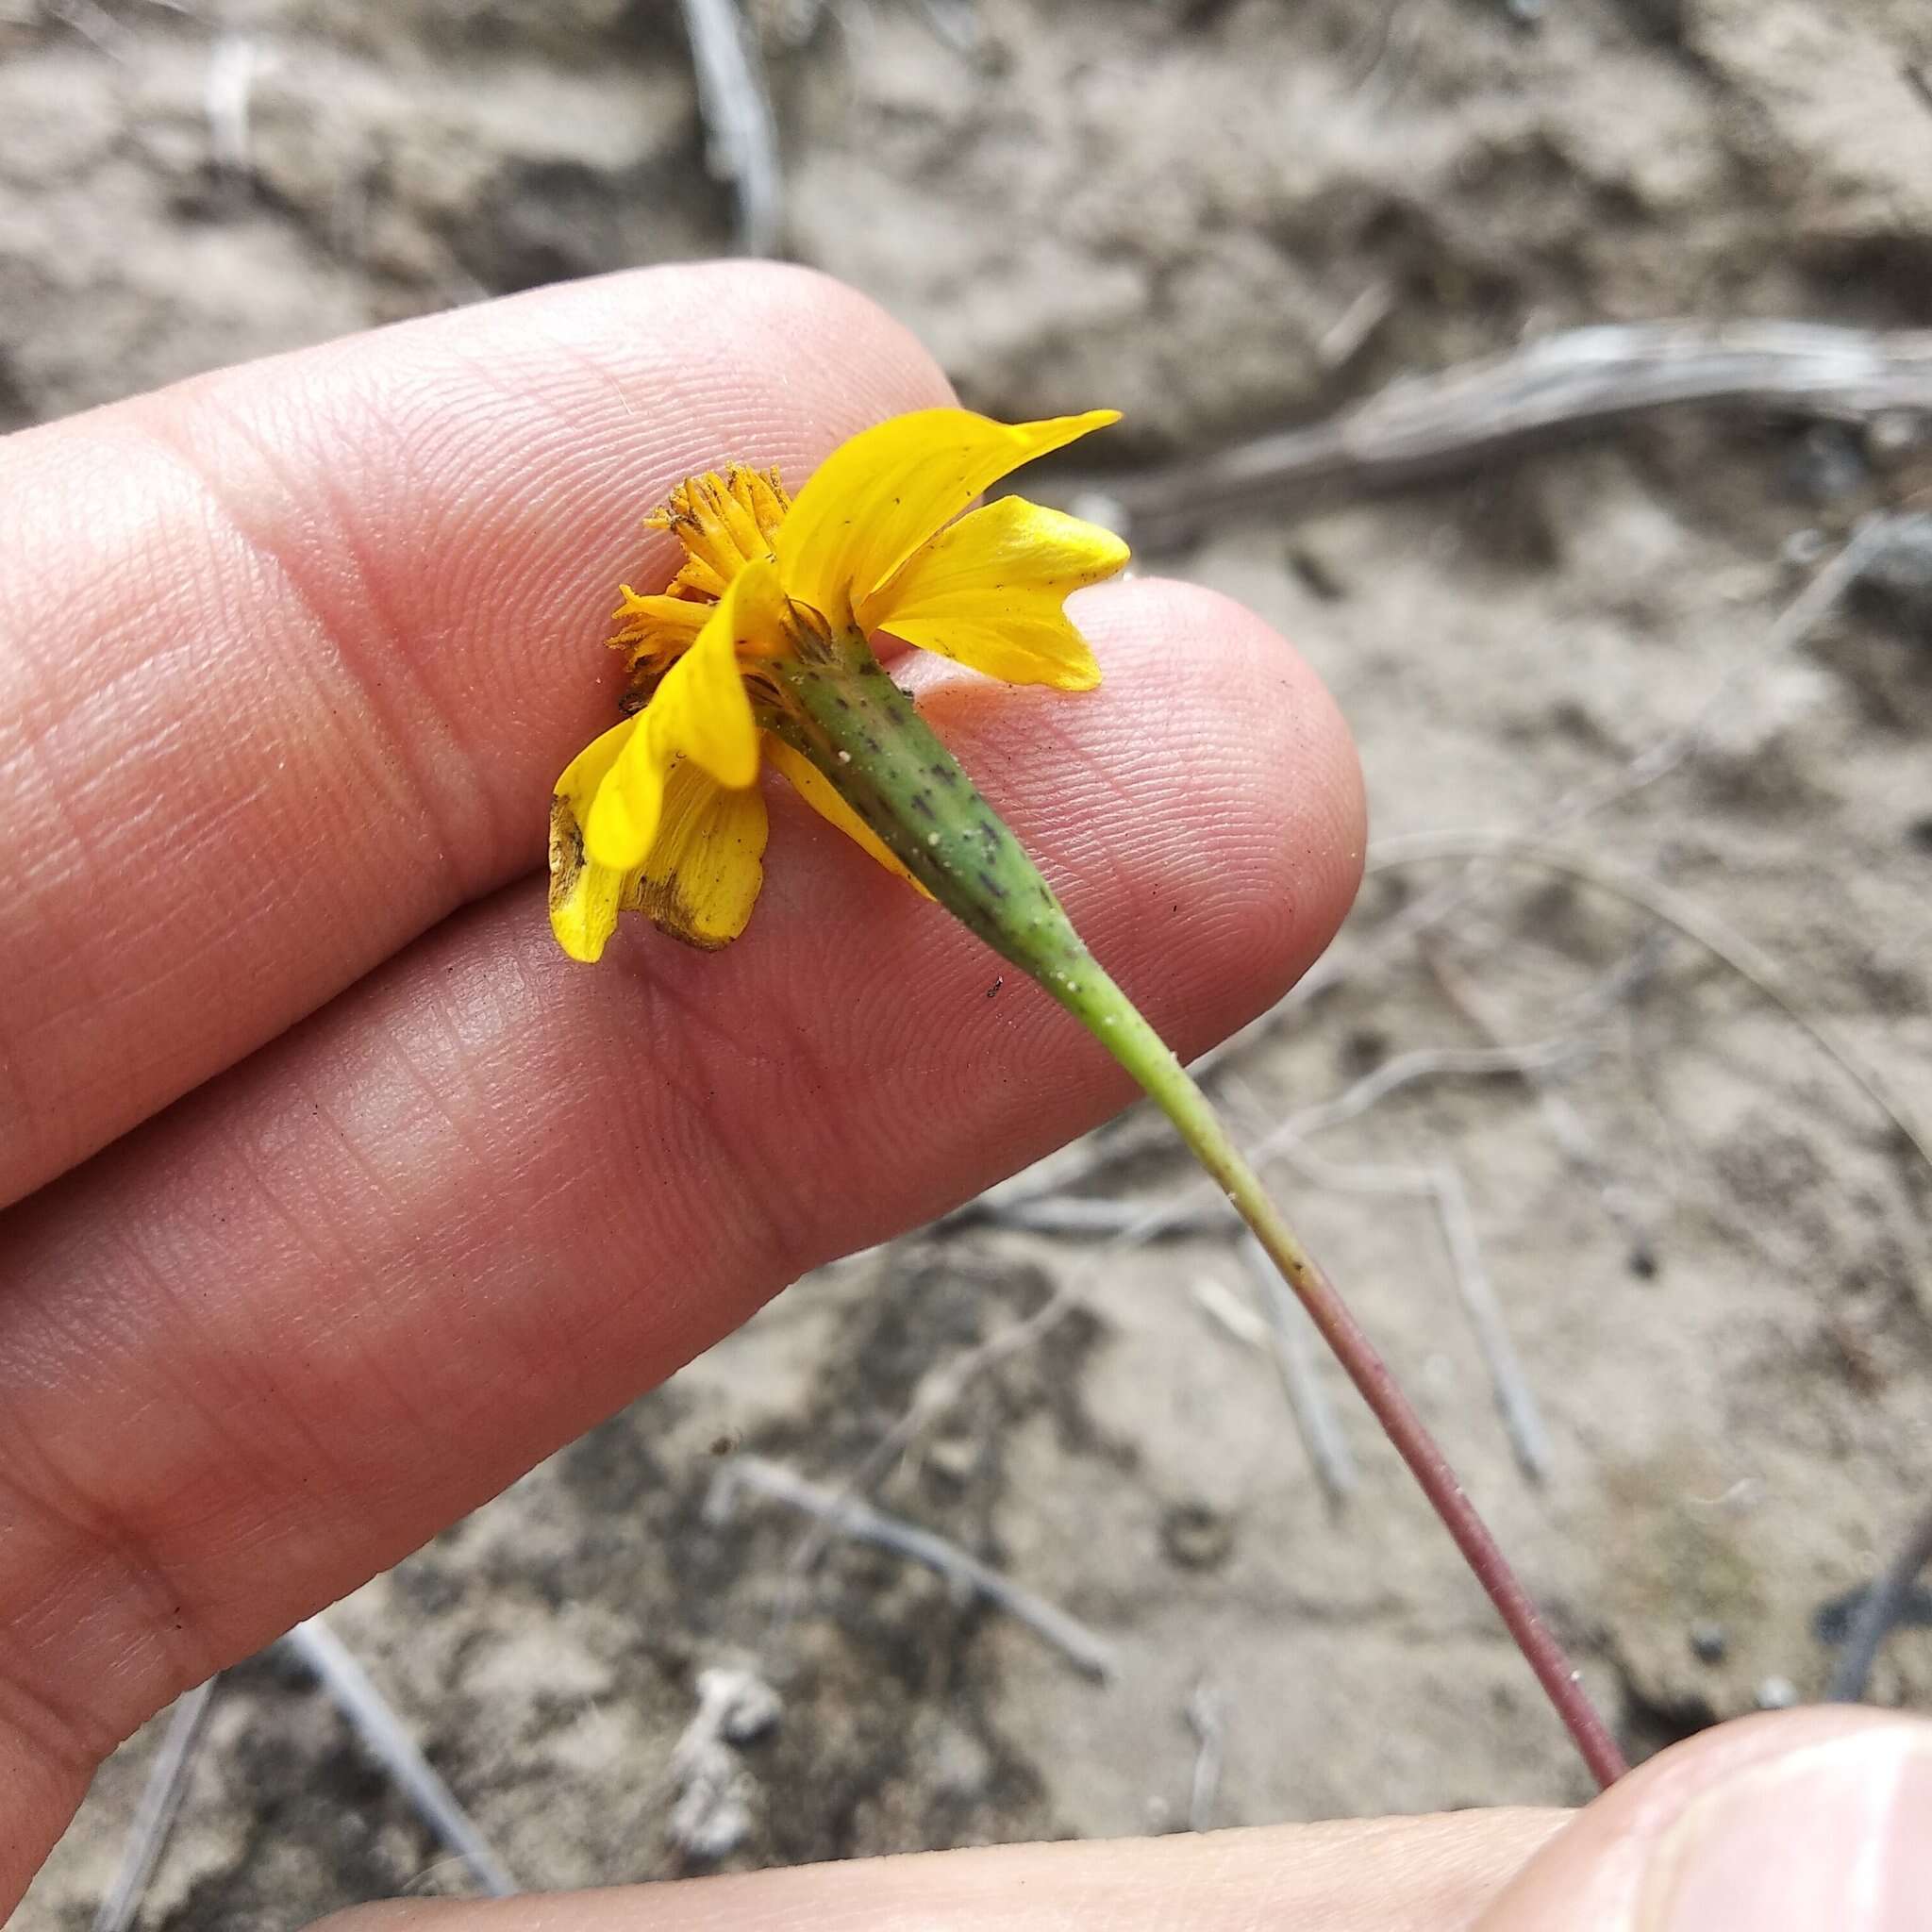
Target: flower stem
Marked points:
1112	1018
863	733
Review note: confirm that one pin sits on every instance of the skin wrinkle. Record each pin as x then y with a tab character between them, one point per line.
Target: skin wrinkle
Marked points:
692	1053
549	1334
33	747
315	1437
208	1407
809	1040
564	410
314	1452
194	959
469	814
45	1761
677	1090
386	739
461	1317
552	502
118	1560
877	1011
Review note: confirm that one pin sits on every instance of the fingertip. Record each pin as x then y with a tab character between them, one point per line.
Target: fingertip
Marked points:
1794	1819
789	306
1292	813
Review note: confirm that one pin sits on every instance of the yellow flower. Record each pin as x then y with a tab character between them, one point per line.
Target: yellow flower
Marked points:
663	813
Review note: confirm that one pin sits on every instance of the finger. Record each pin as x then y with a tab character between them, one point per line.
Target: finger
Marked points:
1789	1823
290	656
263	1347
1384	1875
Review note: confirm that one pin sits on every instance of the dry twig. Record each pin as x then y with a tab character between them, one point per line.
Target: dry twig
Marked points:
1185	1208
736	111
154	1817
1207	1720
1074	1214
956	23
1745	959
94	24
1441	1185
233	68
1567	1129
1558	389
372	1718
846	1515
1878	1612
1014	1201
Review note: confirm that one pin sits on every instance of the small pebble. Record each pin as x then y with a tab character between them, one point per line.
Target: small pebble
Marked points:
1894	433
1777	1694
1708	1643
1196	1536
1828	463
1801	550
953	1460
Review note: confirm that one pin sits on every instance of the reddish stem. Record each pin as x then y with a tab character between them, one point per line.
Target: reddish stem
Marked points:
1101	1006
1370	1374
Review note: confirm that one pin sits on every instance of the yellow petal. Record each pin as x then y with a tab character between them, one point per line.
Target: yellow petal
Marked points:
622	817
987	592
704	867
700	711
583	898
876	498
585	774
829	803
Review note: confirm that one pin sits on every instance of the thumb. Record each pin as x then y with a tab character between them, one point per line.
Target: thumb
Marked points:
1809	1819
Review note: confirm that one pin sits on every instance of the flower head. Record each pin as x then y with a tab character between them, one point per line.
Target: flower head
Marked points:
663	813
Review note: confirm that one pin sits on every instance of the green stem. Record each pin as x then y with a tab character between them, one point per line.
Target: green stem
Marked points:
864	734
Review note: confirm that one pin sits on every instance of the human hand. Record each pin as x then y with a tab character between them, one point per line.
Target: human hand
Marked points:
334	1196
337	1197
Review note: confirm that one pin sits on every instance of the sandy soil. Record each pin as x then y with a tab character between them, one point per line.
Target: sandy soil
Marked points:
1707	1244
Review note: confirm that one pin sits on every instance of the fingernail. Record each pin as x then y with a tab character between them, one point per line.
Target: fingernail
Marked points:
1839	1836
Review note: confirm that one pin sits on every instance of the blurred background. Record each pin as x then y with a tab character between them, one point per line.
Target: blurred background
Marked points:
1609	1109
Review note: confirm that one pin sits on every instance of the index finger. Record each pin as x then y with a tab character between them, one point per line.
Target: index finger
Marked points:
290	656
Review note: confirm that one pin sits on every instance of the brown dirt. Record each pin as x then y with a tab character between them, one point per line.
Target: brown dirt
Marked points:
1170	204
